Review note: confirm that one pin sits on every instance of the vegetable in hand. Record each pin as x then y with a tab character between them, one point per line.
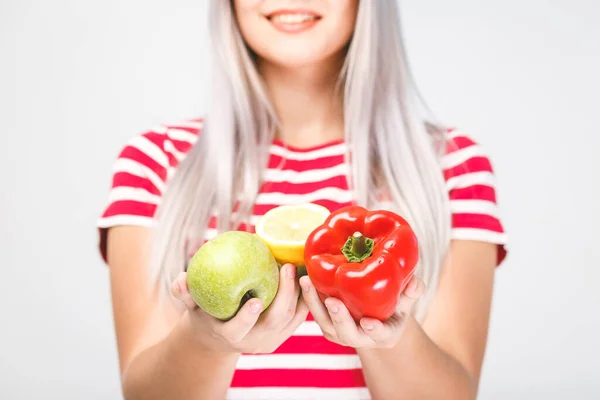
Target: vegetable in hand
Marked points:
364	258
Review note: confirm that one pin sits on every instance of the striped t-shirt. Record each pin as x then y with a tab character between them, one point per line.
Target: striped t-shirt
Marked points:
306	366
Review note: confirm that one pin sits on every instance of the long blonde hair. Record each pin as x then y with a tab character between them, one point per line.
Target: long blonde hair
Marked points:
384	130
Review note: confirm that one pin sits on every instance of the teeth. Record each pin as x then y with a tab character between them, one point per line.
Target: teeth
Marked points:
292	18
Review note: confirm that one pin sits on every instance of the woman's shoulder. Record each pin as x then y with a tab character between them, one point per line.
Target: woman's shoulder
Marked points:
140	174
472	186
162	146
464	157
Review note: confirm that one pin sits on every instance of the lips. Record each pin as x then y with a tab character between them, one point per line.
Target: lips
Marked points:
293	20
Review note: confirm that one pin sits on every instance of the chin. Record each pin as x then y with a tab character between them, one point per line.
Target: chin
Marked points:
295	50
291	58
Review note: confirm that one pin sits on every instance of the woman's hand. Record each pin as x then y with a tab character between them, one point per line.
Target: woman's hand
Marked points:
338	326
249	331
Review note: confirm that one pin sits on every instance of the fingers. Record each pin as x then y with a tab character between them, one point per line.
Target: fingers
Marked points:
385	333
414	290
343	323
283	308
382	332
179	289
316	307
236	329
300	317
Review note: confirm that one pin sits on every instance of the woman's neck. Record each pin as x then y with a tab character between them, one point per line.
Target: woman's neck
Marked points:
308	106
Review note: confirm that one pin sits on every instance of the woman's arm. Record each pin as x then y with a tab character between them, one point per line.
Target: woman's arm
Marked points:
443	357
158	355
440	359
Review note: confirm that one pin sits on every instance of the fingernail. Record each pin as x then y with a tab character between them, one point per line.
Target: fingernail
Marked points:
291	271
332	307
305	288
255	307
368	327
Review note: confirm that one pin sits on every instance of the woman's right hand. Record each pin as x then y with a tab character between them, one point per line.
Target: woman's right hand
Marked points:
249	331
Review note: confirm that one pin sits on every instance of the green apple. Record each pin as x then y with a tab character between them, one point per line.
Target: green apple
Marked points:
230	269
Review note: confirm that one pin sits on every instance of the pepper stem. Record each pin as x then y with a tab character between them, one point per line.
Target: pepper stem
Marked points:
357	248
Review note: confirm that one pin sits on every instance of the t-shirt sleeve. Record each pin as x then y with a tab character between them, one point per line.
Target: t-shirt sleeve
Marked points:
472	189
139	176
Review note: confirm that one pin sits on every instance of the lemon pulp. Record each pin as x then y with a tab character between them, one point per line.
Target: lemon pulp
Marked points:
284	229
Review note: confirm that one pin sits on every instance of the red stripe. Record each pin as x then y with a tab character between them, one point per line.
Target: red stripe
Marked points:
135	154
312	344
172	160
339	182
480	192
299	378
181	145
277	162
475	164
458	143
157	138
261	209
125	179
130	207
477	221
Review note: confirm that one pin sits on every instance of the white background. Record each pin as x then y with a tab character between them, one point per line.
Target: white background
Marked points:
79	78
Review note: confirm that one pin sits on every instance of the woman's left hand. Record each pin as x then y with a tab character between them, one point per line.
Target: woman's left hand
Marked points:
338	326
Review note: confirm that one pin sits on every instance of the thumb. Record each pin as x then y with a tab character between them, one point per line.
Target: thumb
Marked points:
180	290
236	329
413	291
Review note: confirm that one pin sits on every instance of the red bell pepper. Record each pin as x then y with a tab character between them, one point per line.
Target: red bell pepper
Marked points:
364	258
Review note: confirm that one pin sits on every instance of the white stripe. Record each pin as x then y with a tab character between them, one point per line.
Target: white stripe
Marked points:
328	193
470	179
455	134
461	156
475	207
308	328
309	176
160	129
479	234
299	361
210	233
170	148
182	135
298	393
135	220
334	150
135	168
149	148
120	193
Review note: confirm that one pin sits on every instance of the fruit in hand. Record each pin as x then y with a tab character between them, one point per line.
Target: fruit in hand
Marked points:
285	228
230	269
363	257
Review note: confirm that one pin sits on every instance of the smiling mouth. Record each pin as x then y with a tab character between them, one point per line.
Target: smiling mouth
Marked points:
292	18
293	21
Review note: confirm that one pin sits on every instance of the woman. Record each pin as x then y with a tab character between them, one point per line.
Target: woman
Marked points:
298	86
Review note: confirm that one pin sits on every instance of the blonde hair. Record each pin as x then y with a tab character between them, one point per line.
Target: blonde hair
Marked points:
384	130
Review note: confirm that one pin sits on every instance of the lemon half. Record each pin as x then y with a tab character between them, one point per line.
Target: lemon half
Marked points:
284	229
